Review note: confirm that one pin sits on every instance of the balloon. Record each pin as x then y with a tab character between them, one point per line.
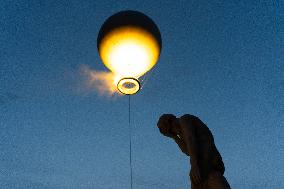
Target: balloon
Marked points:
129	45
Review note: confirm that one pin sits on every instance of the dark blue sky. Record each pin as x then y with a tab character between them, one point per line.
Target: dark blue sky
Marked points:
222	61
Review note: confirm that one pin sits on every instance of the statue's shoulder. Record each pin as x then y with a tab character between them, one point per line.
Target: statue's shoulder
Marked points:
189	117
193	119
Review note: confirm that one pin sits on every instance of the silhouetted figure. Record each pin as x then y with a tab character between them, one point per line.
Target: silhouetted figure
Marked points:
196	140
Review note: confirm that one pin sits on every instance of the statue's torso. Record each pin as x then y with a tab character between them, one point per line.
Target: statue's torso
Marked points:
209	158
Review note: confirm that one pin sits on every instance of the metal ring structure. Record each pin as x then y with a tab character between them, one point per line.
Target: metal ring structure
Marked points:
128	86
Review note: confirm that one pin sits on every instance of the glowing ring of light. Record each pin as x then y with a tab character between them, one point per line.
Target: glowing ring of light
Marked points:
128	86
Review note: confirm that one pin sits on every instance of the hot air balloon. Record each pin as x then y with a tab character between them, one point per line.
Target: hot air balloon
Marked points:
129	44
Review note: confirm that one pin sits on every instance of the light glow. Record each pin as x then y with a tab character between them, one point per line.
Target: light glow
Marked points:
129	51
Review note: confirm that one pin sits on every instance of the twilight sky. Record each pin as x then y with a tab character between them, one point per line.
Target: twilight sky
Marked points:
222	61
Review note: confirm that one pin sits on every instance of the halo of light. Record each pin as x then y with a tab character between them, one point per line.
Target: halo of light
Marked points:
129	51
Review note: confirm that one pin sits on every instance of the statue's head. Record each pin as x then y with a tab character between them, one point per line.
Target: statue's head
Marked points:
165	124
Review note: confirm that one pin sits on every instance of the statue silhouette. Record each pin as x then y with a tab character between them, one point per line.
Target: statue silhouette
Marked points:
196	140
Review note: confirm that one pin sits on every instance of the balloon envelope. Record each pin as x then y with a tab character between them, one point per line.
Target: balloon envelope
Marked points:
129	44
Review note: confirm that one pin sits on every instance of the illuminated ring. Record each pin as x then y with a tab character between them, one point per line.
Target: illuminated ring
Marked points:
128	86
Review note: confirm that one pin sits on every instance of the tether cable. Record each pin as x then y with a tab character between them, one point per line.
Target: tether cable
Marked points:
130	144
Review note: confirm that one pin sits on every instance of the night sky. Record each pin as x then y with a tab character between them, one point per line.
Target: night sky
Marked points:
222	61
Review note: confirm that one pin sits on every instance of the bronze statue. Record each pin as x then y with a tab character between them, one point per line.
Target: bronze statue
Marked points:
196	140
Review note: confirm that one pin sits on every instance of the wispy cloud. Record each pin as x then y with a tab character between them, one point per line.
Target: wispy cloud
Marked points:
103	83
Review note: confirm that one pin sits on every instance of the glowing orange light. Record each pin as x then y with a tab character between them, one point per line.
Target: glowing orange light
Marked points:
129	51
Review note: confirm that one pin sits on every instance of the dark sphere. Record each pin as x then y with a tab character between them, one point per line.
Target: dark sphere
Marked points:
129	18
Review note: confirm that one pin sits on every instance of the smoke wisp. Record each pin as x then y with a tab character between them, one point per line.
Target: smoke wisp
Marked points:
104	83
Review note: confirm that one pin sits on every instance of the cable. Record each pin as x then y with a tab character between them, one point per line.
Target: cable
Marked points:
130	144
